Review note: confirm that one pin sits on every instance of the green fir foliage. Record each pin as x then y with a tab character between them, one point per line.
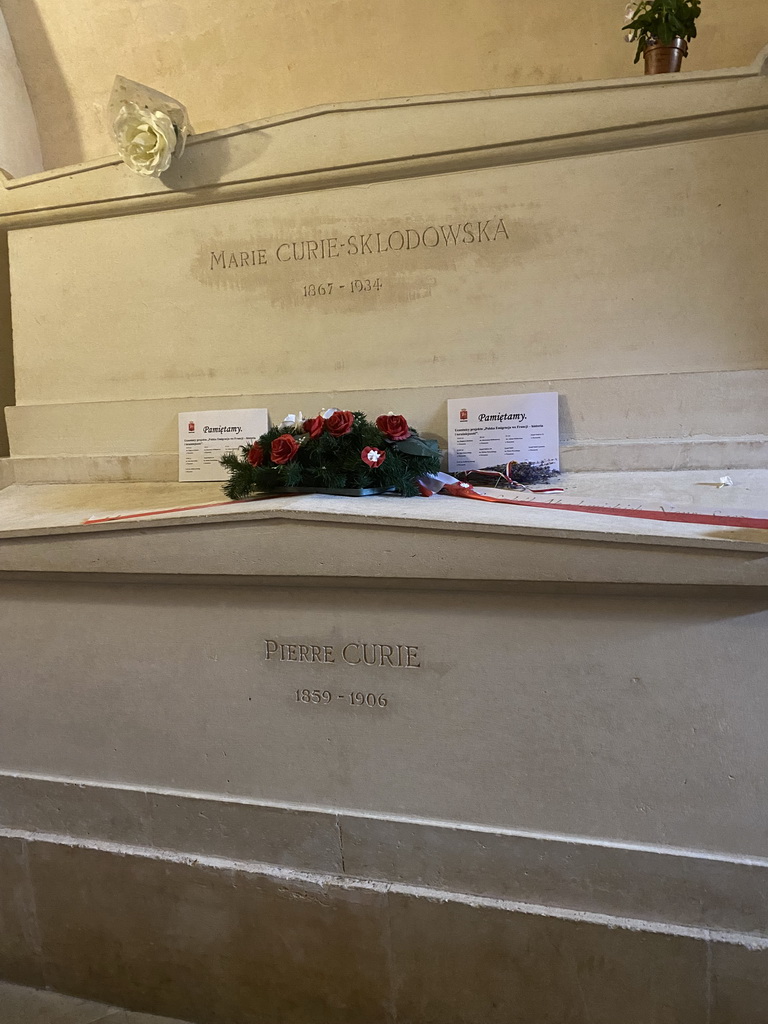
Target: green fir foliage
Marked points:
662	20
334	462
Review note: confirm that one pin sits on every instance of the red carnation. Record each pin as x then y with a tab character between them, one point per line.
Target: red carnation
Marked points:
283	449
256	454
340	423
373	457
314	427
395	427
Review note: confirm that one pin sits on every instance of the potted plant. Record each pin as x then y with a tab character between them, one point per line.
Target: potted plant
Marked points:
662	30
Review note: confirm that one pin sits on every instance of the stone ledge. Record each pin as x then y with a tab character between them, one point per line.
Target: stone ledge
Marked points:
42	529
456	132
643	454
7	473
604	424
655	887
222	944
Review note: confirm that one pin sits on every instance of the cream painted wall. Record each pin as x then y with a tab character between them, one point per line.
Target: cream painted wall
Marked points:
19	143
244	59
19	154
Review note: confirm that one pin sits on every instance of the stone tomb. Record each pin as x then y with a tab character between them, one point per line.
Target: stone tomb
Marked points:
361	760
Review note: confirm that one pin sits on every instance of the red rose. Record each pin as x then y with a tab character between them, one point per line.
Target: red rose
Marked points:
314	427
340	423
373	457
256	455
283	449
395	427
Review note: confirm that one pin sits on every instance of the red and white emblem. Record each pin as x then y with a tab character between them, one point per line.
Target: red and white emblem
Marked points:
373	457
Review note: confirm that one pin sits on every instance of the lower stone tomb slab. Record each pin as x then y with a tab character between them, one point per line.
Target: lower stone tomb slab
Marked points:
541	798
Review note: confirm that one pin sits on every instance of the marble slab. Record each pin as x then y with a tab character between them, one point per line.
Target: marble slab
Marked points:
34	510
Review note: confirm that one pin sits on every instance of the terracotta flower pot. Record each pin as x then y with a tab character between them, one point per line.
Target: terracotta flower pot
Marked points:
660	60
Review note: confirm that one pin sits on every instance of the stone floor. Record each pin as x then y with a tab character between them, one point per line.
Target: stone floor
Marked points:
31	1006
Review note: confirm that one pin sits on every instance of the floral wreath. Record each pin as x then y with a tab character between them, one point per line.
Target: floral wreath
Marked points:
337	450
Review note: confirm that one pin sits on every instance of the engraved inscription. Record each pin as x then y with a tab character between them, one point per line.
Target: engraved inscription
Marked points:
226	260
355	286
355	698
365	243
313	653
355	653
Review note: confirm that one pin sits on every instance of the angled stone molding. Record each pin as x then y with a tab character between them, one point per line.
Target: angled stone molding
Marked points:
275	540
409	137
7	475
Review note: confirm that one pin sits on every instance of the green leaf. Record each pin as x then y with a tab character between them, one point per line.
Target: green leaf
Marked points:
663	20
415	445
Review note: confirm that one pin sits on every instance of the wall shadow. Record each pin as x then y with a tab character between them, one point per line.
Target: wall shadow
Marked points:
57	124
7	380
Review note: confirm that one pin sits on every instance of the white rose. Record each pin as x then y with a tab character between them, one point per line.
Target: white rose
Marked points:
293	422
146	140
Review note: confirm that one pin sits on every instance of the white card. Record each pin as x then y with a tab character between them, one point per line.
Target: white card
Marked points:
205	436
485	432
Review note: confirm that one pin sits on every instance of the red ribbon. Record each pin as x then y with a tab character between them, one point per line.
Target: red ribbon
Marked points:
699	518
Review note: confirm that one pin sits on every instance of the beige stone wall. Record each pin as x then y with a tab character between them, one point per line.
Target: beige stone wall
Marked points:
245	59
455	314
19	154
548	255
